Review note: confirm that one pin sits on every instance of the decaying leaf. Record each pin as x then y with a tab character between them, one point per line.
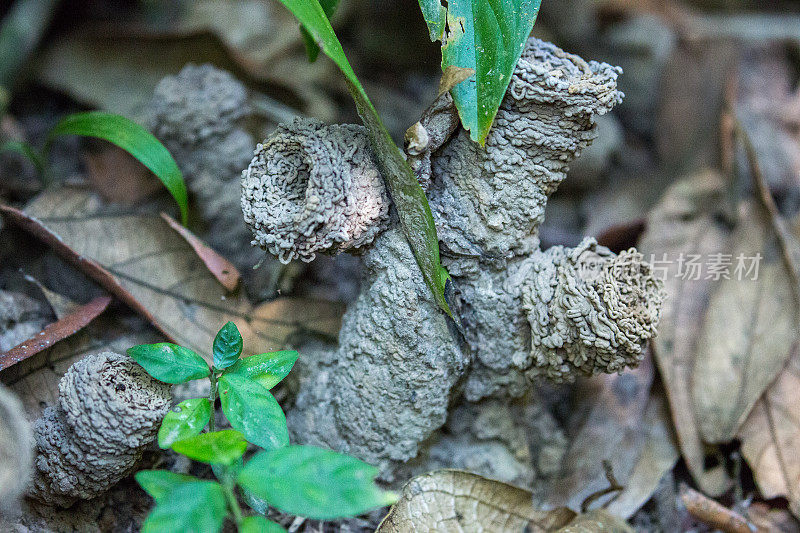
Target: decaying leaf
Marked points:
597	521
627	429
155	271
771	436
55	332
684	225
222	269
749	329
451	500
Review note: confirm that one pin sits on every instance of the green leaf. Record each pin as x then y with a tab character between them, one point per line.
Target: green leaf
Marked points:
190	507
251	409
132	138
314	482
491	41
259	524
169	362
26	150
227	346
217	447
435	15
187	419
409	198
160	483
312	48
267	369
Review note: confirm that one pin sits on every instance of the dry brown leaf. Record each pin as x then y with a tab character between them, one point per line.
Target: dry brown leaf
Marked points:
598	521
222	269
155	271
118	176
451	500
747	335
771	436
628	430
51	334
684	222
35	380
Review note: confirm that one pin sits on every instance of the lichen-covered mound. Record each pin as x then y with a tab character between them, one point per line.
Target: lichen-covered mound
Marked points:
589	310
303	194
108	410
524	312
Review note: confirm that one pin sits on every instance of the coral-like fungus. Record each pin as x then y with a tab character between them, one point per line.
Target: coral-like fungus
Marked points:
525	312
108	410
313	188
589	310
197	114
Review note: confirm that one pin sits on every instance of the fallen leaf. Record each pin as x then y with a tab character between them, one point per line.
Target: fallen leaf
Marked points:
771	436
451	500
685	224
55	332
597	521
746	338
222	269
625	428
156	272
118	176
35	380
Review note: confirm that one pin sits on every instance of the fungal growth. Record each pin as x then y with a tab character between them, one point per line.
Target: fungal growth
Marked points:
198	116
108	410
303	194
526	313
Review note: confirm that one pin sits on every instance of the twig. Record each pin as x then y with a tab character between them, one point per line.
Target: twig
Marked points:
613	486
714	514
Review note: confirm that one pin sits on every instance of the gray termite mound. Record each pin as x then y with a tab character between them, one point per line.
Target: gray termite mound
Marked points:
108	410
526	312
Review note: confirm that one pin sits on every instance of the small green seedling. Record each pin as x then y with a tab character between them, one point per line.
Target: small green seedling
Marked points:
301	480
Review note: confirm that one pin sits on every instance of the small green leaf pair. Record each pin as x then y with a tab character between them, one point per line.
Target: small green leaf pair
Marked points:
242	386
301	480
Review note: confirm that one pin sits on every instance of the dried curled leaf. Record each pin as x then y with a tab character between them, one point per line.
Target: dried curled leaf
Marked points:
747	335
771	436
148	266
451	500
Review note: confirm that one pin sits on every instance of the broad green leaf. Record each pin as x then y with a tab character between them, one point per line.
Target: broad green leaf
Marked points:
267	369
217	447
259	524
227	346
312	49
160	483
192	507
314	482
169	362
251	409
407	194
435	15
135	140
487	36
186	419
26	150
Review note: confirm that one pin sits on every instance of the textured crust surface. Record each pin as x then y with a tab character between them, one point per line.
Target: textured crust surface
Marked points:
525	313
108	410
313	188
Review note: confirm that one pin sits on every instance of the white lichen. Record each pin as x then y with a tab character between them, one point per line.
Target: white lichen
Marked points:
108	410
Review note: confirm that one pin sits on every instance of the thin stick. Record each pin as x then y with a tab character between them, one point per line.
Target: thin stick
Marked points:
715	514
